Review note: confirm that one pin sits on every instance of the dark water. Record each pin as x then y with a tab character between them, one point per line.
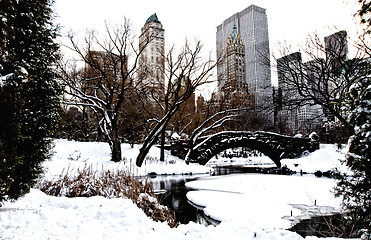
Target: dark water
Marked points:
232	170
175	197
320	226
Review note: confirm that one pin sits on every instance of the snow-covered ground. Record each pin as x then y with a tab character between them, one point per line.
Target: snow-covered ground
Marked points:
251	206
328	157
325	159
70	156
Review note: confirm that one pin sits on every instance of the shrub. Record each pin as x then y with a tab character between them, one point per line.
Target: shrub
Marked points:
109	184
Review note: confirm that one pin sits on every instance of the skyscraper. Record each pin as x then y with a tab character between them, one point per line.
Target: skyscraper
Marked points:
293	117
336	46
287	119
252	26
236	77
151	62
235	90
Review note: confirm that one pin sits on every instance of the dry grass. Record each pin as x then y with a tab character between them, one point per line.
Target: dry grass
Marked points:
109	184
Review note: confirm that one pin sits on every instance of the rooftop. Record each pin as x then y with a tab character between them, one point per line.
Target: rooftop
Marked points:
153	18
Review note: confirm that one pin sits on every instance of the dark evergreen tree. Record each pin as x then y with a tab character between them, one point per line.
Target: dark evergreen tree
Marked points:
355	188
29	92
364	14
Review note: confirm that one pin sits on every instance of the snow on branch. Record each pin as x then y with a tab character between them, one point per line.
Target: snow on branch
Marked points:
4	79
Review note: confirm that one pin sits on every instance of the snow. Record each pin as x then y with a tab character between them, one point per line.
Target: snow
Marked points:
327	158
4	79
251	206
70	156
258	161
266	201
38	216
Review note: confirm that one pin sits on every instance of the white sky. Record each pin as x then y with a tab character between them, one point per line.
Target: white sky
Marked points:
288	20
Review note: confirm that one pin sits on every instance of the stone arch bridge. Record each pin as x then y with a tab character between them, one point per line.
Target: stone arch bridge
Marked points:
273	145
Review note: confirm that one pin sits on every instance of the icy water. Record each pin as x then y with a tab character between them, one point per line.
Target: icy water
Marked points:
172	192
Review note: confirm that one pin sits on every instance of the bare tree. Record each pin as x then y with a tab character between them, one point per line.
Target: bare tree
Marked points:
184	72
102	84
211	124
325	79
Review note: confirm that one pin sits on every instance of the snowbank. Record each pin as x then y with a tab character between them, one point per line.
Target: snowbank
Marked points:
327	158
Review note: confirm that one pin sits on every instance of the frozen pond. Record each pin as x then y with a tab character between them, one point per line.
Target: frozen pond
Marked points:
266	200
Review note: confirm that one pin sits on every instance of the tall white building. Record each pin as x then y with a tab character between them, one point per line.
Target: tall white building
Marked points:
252	25
151	62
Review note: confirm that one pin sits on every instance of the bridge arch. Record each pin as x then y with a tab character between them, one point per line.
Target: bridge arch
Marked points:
273	145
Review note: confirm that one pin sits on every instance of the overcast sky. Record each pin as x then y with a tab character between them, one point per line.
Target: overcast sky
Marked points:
288	20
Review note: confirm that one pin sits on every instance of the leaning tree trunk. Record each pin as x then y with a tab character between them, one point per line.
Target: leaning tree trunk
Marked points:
162	150
154	134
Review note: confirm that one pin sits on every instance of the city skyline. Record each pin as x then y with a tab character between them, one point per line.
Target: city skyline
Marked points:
286	20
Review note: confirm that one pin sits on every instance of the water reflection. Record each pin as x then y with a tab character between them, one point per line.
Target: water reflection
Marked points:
172	193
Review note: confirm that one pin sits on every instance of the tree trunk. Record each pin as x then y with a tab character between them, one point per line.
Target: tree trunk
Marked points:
115	144
116	150
153	136
162	150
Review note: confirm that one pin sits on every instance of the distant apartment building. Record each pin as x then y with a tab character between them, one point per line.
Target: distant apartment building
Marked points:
292	61
252	26
287	115
291	117
109	63
151	63
336	47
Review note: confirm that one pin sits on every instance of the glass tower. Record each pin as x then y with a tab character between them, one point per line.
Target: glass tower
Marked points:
252	25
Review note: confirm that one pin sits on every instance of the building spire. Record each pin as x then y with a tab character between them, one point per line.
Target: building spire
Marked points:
234	37
234	32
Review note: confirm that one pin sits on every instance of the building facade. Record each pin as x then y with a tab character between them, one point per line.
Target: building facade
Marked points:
235	90
252	26
336	47
151	75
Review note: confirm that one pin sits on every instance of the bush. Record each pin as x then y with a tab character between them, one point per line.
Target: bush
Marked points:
109	184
